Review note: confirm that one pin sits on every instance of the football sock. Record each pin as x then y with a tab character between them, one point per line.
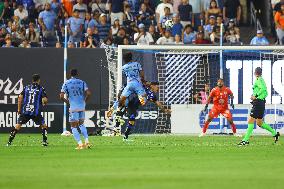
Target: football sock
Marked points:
128	130
205	127
44	135
84	132
249	131
233	127
76	135
268	128
12	135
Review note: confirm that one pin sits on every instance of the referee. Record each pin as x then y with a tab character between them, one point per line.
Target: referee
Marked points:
258	108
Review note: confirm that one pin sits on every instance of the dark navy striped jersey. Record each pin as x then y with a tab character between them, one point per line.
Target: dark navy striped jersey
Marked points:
32	95
151	96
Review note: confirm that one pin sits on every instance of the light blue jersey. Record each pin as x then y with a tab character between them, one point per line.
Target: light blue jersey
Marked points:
134	85
75	90
132	71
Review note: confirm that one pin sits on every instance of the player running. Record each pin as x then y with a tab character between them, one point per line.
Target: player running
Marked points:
220	95
30	103
135	79
77	95
258	108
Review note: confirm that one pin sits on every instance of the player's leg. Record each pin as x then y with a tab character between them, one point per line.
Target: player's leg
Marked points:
23	119
39	120
130	126
74	122
140	91
212	114
267	127
228	115
84	129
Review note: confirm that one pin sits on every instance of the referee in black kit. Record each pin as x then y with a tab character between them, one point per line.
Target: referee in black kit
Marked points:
30	103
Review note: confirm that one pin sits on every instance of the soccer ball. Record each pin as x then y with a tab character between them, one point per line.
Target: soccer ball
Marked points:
169	23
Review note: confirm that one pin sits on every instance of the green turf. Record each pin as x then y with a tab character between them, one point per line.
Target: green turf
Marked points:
150	162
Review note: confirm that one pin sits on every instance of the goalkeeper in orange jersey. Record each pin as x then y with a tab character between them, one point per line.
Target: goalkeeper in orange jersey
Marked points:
220	95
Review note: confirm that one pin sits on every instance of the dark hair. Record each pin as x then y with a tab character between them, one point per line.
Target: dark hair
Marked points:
35	77
258	71
210	7
73	72
127	57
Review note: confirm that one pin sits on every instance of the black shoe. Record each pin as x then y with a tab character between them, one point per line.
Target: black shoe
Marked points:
243	143
9	144
276	137
44	143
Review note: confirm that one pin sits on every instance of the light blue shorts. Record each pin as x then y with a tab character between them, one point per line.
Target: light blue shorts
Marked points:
76	116
133	87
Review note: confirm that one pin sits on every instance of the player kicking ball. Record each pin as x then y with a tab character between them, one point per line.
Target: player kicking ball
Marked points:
220	95
30	103
258	108
77	95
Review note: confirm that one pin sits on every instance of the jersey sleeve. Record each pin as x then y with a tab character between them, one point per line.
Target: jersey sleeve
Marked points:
229	91
85	86
64	88
139	67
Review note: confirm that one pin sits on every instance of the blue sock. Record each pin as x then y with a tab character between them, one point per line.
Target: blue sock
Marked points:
84	132
76	135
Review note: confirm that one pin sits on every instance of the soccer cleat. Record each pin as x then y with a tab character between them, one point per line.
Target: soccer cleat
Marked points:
8	144
276	137
237	135
119	120
79	147
243	143
202	134
88	145
45	144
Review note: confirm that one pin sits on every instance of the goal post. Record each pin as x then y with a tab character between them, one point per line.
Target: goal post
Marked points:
183	70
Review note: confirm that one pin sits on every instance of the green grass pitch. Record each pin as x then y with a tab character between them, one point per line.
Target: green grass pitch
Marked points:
149	162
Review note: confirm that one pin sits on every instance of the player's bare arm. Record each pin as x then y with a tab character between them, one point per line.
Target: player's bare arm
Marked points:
87	95
165	110
61	96
20	100
207	102
44	101
232	101
142	76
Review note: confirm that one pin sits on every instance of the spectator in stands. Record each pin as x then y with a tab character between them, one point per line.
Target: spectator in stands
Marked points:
115	27
185	12
32	35
259	39
7	13
202	96
233	26
81	8
90	32
232	37
21	13
232	10
75	27
8	43
208	29
47	20
98	5
119	38
134	5
277	6
25	44
104	27
213	10
200	40
117	9
166	39
154	33
143	37
58	45
279	22
90	42
89	22
128	16
163	20
206	4
177	27
55	6
189	36
67	6
176	4
1	10
150	6
160	10
178	40
70	45
216	36
145	17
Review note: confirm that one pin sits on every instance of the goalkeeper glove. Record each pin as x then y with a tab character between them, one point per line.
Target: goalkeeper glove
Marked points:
232	104
205	108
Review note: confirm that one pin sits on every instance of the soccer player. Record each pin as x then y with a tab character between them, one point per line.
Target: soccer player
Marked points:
151	89
135	79
258	108
30	103
220	95
77	95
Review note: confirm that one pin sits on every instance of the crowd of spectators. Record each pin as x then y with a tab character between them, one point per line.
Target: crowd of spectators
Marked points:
41	23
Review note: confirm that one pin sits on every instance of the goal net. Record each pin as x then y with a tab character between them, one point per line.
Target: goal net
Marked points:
182	72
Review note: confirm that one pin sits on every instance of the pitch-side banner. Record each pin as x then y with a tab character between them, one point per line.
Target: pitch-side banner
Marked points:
190	119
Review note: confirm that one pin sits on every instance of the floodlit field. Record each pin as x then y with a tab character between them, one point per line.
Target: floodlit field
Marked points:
150	162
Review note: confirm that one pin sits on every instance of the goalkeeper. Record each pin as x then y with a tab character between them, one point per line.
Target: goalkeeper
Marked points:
258	108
